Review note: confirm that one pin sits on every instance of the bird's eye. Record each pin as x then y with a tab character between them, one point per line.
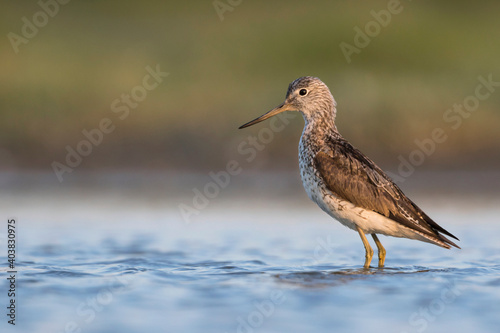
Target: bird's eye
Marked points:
303	92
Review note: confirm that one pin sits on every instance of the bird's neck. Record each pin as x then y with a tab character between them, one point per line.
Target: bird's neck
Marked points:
320	124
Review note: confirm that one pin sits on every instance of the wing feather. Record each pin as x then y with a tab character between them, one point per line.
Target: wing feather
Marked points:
354	177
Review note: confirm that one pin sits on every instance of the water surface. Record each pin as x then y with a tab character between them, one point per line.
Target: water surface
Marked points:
96	261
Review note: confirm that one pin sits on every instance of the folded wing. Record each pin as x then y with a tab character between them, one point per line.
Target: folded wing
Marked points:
354	177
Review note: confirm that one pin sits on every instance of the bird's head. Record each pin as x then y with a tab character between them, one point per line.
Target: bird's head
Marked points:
308	95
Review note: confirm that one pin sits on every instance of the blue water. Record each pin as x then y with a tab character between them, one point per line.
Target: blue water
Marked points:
97	261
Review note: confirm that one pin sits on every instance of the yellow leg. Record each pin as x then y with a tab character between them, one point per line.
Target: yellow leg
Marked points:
381	251
368	248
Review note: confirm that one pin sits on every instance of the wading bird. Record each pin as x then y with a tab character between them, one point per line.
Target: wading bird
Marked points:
345	183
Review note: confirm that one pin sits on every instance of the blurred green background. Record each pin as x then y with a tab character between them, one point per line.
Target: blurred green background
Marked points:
223	73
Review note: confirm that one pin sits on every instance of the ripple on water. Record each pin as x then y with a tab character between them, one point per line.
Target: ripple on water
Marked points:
330	276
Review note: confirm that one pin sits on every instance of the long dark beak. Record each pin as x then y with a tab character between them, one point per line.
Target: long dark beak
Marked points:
282	108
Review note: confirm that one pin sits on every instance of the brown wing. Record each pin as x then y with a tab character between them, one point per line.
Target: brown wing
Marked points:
354	177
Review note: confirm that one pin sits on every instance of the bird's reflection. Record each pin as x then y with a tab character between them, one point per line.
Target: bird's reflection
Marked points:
327	276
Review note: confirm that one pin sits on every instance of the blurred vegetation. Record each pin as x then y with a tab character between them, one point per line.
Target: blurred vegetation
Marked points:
225	73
